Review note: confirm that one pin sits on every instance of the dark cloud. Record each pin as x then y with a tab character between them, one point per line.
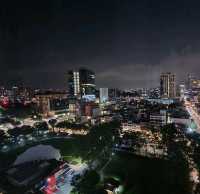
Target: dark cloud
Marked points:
127	43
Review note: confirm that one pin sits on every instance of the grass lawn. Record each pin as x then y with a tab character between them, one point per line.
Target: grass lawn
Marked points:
148	176
73	160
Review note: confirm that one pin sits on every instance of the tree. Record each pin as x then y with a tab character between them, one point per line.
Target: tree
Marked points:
24	130
41	126
168	133
66	124
100	190
14	132
2	135
101	139
52	122
88	183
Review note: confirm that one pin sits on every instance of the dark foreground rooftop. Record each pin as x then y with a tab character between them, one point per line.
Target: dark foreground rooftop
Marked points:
22	177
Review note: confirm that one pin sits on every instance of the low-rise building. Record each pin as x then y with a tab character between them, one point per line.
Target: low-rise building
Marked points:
47	102
159	119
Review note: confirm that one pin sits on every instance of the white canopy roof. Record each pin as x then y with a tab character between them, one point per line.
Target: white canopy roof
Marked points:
39	152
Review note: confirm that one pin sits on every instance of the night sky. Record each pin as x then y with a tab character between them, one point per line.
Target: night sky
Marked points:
127	43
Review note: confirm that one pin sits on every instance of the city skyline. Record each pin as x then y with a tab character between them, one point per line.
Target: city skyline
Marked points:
99	97
127	43
20	82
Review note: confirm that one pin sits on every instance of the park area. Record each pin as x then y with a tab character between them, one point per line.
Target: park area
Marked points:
140	175
137	175
70	149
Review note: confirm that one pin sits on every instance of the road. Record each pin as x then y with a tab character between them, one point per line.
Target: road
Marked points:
194	115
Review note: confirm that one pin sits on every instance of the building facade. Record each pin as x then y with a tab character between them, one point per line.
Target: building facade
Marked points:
81	82
103	94
168	85
49	103
73	83
87	81
158	120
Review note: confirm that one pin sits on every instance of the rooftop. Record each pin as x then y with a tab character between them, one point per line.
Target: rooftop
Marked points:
31	172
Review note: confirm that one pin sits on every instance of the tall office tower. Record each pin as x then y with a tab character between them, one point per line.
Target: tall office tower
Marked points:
2	91
182	91
189	80
113	93
194	83
73	83
81	82
87	82
168	85
15	93
103	95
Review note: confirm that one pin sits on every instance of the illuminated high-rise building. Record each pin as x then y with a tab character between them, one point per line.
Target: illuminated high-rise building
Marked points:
73	83
182	91
103	93
189	81
81	83
168	85
87	82
195	84
15	93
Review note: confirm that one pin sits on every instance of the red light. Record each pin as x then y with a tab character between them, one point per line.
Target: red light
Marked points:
4	102
51	188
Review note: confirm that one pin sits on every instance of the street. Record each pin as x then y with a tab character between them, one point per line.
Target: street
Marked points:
193	114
